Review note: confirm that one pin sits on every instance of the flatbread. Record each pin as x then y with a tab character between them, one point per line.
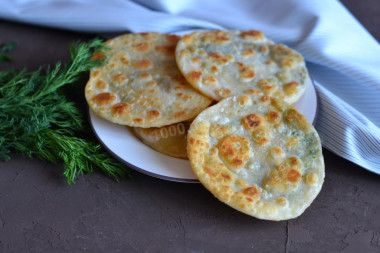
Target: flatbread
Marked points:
169	140
258	155
225	63
141	85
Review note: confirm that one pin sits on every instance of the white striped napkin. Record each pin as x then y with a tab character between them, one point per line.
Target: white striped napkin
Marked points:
342	57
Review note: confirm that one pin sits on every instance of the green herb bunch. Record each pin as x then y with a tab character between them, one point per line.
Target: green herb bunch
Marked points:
6	48
38	120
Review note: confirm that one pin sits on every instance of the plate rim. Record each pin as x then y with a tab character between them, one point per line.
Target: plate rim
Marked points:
132	166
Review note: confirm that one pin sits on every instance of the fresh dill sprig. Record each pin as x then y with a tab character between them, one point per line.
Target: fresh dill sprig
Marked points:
38	120
6	48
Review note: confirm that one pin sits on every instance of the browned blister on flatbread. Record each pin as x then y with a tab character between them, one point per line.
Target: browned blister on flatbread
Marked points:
141	85
257	154
225	63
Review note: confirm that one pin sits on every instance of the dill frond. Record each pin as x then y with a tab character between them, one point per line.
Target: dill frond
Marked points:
38	120
6	48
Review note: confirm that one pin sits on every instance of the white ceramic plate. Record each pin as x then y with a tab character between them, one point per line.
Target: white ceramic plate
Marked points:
123	145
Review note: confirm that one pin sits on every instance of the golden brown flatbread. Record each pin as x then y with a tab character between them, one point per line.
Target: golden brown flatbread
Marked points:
169	140
258	155
141	85
224	63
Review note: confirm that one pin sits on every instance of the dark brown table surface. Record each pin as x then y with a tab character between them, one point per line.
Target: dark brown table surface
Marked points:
40	212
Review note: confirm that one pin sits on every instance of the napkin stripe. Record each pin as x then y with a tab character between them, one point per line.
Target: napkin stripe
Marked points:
355	93
332	116
355	154
355	142
335	70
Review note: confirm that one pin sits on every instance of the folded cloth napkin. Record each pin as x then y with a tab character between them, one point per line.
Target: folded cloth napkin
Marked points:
342	57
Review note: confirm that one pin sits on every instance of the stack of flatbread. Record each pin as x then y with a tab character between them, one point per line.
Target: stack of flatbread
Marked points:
253	150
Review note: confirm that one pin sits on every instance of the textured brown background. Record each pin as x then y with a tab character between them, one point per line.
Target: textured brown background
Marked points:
39	212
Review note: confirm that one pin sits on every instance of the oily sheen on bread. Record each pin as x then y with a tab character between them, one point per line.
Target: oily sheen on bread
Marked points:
225	62
258	155
141	85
